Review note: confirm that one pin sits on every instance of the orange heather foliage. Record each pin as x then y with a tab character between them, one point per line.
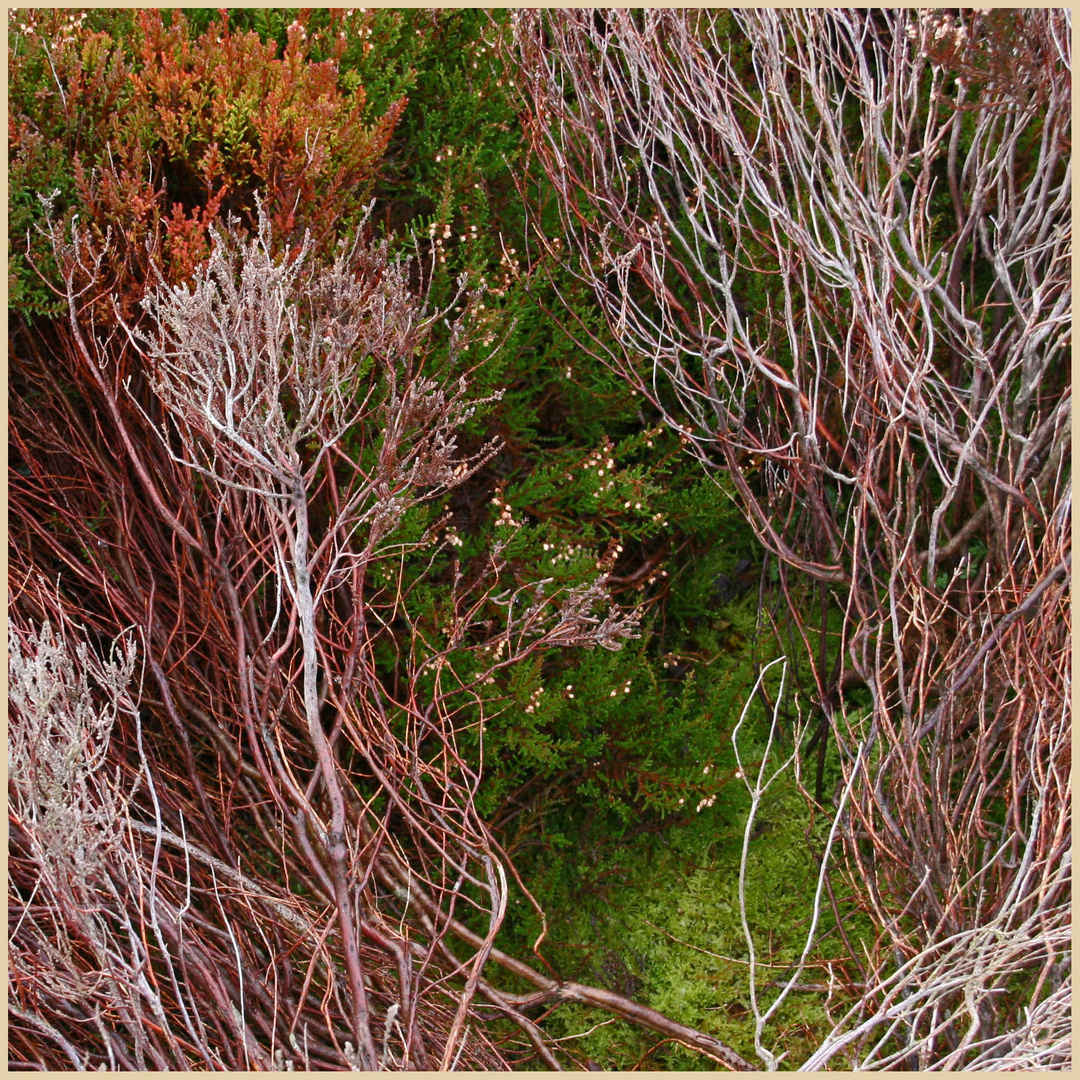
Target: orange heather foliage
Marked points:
184	131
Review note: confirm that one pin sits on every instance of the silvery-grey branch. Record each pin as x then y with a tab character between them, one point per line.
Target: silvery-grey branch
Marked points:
833	249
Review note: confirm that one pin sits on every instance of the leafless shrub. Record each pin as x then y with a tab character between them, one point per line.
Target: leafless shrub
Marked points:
98	938
59	744
834	249
304	878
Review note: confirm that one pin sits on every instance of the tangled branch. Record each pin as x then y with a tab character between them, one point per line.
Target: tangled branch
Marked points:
834	251
275	857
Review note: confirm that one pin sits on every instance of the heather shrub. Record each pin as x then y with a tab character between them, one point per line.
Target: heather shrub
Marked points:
152	133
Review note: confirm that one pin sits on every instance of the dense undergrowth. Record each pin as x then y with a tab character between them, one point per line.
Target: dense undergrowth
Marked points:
611	779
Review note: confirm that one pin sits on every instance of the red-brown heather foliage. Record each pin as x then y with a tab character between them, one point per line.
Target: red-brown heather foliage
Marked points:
160	136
